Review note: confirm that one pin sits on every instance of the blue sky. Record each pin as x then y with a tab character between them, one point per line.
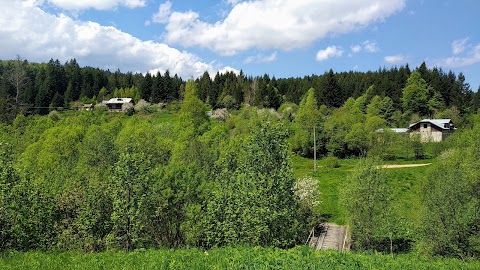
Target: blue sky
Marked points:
283	38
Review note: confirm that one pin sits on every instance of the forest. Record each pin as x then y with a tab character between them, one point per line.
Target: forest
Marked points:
38	88
166	174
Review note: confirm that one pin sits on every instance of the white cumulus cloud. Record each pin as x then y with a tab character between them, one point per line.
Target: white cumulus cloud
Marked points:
367	45
370	46
36	35
95	4
356	48
330	51
233	2
469	58
395	59
276	24
163	13
260	58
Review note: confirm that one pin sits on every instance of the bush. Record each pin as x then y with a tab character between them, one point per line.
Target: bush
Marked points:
331	162
143	106
306	191
173	106
54	115
101	107
128	109
221	114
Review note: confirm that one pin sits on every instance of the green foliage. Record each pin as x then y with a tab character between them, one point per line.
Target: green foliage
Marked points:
52	158
288	111
193	112
452	201
307	119
417	146
415	94
339	124
131	215
366	197
228	258
76	183
331	162
142	137
252	200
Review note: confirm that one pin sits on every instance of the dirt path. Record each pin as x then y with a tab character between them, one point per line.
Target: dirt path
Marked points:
396	166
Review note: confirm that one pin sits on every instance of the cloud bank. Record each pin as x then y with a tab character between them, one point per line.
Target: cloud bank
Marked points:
95	4
276	24
29	31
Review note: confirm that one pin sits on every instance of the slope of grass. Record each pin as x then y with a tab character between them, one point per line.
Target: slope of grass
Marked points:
405	183
227	258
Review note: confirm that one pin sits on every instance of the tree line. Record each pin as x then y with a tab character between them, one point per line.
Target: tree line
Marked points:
39	88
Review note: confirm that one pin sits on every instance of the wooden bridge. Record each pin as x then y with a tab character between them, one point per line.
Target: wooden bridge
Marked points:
329	236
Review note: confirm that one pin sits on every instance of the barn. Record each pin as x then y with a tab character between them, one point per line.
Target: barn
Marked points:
432	130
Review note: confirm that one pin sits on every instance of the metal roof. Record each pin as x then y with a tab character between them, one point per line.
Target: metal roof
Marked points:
396	130
437	122
119	100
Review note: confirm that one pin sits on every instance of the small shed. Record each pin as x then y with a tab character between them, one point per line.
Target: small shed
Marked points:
115	104
432	130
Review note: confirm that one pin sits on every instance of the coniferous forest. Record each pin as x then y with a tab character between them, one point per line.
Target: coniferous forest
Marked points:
33	88
164	173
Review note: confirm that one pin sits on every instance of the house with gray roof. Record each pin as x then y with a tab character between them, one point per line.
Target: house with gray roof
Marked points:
115	104
432	130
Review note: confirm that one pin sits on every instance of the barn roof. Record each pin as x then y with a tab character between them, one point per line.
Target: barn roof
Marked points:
440	123
119	100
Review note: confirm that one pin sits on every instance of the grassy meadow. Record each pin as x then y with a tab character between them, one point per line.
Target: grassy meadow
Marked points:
405	183
227	258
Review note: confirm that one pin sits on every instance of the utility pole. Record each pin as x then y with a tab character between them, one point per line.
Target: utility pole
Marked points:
314	151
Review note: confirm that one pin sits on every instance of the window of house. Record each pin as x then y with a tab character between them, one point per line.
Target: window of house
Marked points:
425	125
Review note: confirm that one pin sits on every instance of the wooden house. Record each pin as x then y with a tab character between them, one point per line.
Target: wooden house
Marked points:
115	104
432	130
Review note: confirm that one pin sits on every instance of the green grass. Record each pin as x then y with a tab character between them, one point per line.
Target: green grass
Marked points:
405	183
330	180
227	258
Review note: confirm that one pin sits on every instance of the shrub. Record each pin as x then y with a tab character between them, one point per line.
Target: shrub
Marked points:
173	106
331	162
128	109
306	191
221	114
101	107
143	106
54	115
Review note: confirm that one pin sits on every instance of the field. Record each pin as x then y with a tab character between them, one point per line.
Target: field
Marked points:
227	258
405	183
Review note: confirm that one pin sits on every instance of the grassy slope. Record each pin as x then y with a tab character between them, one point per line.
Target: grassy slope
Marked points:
405	182
226	258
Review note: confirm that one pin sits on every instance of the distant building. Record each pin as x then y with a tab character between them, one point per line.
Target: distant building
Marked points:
115	104
395	130
432	130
